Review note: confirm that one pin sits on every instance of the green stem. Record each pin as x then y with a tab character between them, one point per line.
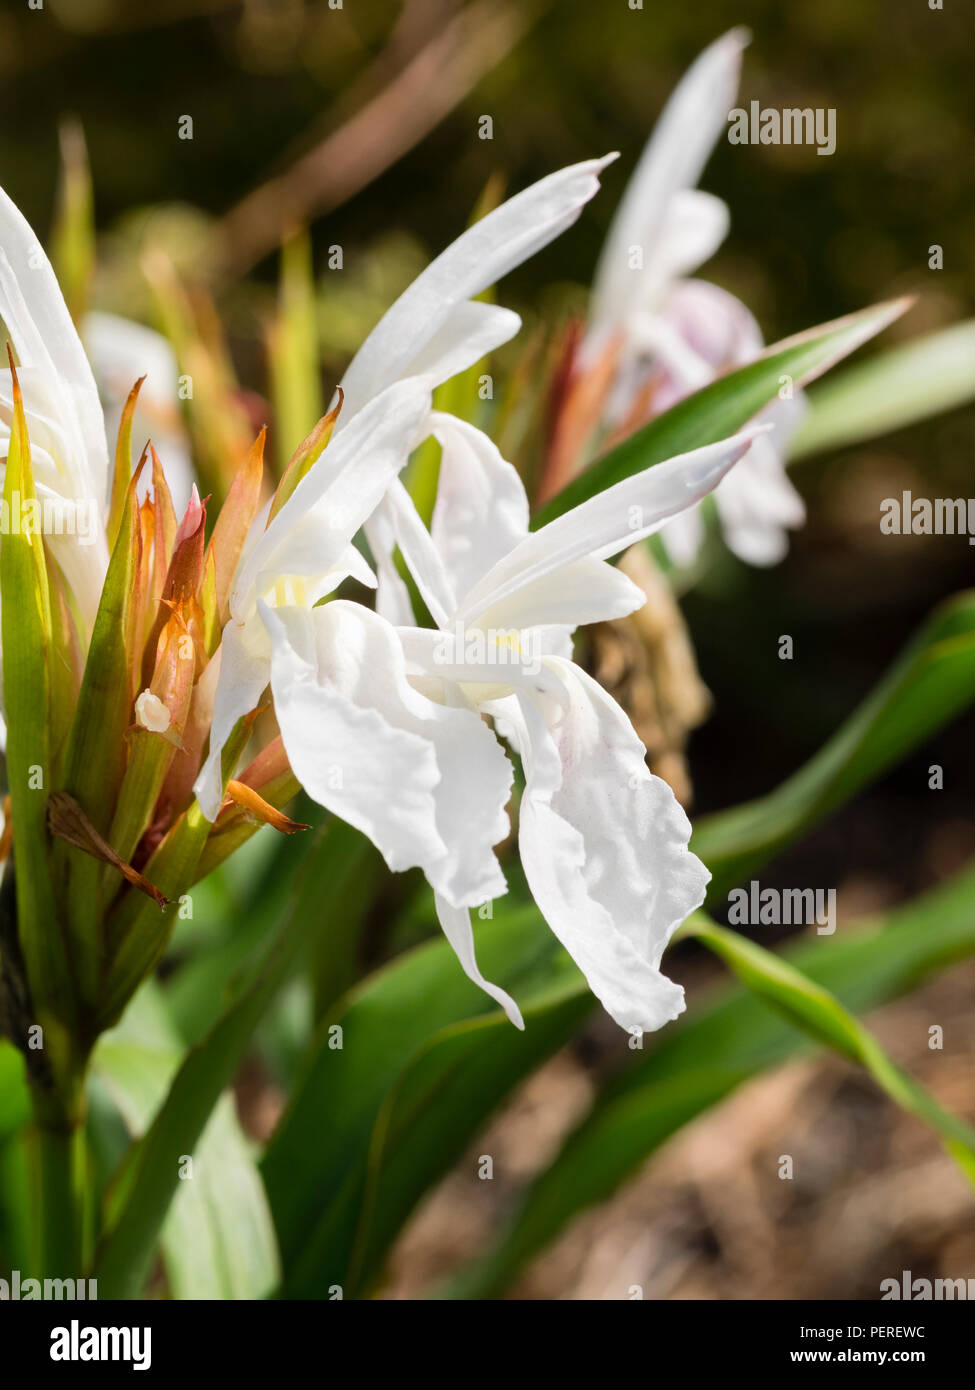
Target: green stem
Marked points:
59	1195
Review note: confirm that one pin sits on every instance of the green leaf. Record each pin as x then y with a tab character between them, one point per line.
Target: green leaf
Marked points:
296	387
73	232
895	388
95	757
424	1058
708	1053
931	682
726	405
819	1014
14	1096
151	1175
218	1239
25	627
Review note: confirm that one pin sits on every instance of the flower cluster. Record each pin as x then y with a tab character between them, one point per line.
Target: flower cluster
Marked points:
395	716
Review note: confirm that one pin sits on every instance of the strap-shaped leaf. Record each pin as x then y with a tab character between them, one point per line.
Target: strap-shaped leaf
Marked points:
893	389
218	1239
707	1054
25	624
931	682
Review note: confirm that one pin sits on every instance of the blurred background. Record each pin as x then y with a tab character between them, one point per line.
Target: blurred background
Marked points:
362	123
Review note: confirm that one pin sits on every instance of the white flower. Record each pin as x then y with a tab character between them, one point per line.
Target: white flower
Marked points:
64	416
434	330
674	335
383	721
603	843
120	352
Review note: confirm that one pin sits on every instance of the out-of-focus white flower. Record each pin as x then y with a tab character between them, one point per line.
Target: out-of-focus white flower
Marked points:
121	351
603	843
672	335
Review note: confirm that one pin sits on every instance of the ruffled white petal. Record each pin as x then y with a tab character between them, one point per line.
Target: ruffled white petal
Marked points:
604	847
427	783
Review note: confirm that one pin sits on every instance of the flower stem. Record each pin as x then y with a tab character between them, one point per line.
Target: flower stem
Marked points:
60	1200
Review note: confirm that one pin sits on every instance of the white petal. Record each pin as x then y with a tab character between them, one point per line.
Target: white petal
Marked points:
482	509
604	848
758	508
683	535
482	255
435	661
44	336
393	600
673	160
456	923
402	521
428	784
120	352
472	330
585	591
610	521
694	227
312	530
244	671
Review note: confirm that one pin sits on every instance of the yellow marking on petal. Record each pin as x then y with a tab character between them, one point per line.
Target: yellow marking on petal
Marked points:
290	591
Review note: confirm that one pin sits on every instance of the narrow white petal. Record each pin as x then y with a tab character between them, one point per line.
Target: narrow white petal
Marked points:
403	523
481	256
456	923
585	591
604	848
482	508
694	227
610	521
673	159
341	489
393	600
244	671
472	331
